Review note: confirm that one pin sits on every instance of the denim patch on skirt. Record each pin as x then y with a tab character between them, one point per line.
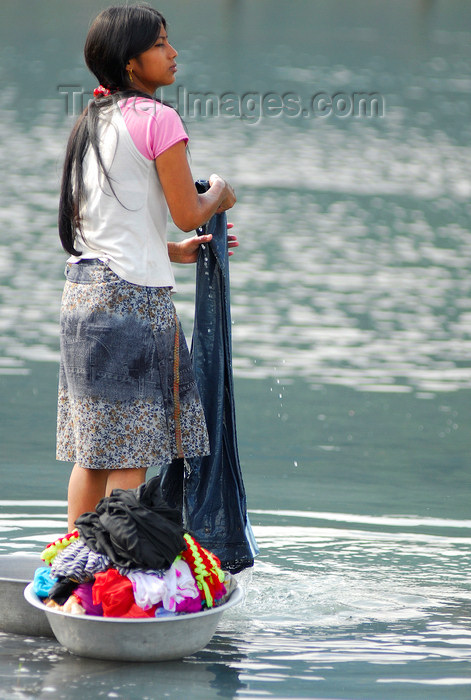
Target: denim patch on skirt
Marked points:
127	392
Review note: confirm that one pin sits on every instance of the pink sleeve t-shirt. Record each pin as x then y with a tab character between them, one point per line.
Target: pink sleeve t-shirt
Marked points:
153	127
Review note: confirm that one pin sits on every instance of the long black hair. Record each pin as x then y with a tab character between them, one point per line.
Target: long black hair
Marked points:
116	35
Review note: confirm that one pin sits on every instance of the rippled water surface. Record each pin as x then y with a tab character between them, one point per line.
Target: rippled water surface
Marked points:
352	341
338	606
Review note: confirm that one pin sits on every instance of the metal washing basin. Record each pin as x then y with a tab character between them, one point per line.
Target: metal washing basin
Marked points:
16	616
143	639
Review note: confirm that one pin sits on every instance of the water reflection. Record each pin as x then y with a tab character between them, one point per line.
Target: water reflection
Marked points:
44	669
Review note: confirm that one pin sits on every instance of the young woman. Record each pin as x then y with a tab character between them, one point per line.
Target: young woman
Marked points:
127	394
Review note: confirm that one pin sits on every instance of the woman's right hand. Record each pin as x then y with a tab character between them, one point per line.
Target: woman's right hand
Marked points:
229	198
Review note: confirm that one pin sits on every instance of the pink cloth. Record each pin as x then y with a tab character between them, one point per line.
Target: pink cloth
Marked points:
153	126
179	585
189	605
84	595
176	591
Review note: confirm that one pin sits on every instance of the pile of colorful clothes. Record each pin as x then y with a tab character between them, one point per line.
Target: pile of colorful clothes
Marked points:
131	558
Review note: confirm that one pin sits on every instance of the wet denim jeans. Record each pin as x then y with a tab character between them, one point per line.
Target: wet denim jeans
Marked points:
211	489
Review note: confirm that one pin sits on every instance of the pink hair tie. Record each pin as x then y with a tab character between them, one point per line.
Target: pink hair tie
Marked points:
101	91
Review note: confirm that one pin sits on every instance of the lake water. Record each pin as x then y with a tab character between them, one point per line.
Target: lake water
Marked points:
352	337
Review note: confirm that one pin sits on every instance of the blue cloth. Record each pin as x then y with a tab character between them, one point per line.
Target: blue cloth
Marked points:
212	489
43	581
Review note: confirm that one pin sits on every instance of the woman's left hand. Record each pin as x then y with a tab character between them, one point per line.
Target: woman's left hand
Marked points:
186	251
232	241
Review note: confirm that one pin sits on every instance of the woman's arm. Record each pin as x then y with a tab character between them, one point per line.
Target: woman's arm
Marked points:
187	251
188	209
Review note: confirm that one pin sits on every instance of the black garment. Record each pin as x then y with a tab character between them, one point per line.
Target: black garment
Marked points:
135	528
210	490
62	590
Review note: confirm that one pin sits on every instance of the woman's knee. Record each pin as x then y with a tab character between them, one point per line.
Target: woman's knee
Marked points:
125	479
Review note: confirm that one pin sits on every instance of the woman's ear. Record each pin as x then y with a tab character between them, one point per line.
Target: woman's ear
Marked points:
129	68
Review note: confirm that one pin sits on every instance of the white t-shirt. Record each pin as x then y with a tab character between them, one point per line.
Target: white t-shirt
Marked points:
127	228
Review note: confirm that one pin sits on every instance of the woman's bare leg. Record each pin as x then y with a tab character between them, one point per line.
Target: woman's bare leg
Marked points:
124	479
86	487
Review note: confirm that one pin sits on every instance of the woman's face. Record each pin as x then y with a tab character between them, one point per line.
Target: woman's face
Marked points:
155	67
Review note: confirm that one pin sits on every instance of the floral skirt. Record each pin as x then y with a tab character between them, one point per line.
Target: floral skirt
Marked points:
127	392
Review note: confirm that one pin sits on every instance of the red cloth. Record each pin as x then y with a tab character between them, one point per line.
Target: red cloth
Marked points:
136	611
115	594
